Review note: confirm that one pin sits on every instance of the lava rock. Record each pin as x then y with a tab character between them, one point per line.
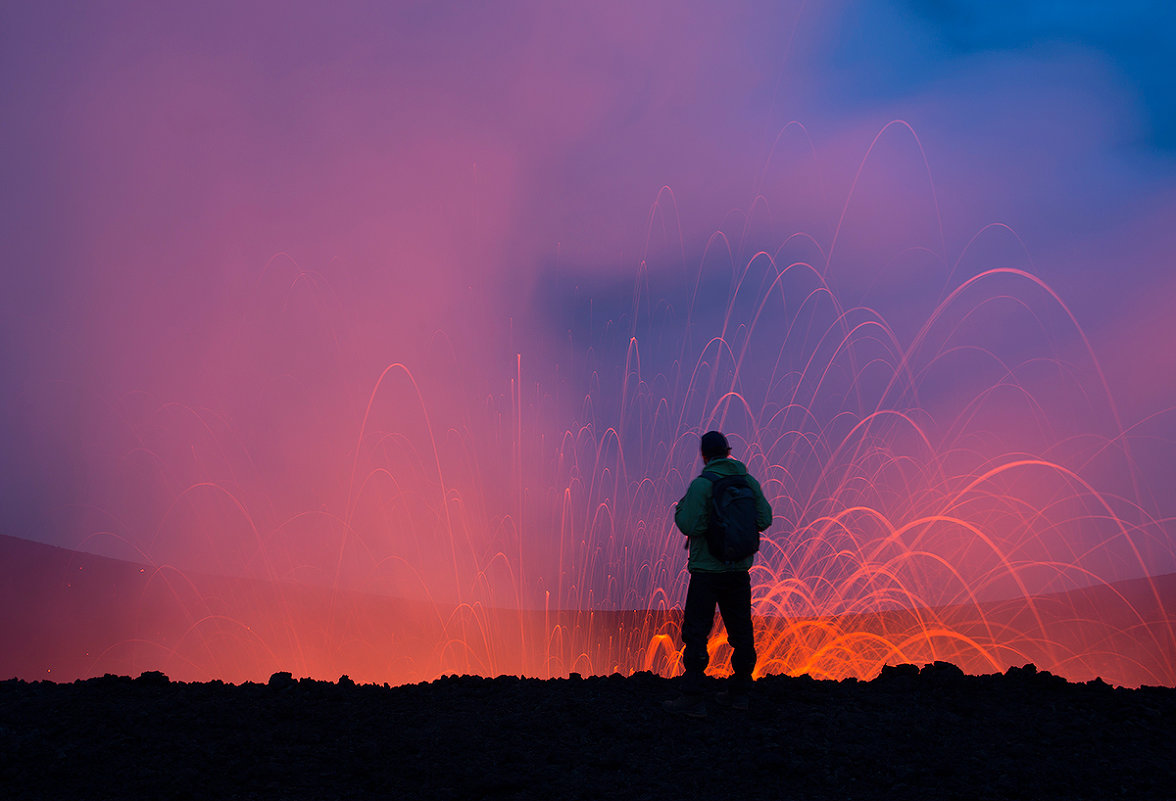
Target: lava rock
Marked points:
930	733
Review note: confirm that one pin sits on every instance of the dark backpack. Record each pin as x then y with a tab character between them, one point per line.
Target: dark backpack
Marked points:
731	532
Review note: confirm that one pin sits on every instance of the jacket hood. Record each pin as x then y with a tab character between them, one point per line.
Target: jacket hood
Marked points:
726	467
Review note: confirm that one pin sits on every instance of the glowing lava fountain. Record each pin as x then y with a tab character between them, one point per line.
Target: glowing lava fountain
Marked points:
952	483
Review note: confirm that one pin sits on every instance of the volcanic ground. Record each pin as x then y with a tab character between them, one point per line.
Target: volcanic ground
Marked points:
911	733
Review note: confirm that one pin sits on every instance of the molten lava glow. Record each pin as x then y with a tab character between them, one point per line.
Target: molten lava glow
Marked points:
333	394
939	499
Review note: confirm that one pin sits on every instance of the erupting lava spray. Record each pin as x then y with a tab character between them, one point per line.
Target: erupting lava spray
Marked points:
949	485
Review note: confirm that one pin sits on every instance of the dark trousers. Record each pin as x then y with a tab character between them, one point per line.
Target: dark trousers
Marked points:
732	593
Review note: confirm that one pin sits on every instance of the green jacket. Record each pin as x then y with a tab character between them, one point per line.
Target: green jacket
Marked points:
692	513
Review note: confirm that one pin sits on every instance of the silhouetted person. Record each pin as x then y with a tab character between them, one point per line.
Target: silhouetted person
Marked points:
714	581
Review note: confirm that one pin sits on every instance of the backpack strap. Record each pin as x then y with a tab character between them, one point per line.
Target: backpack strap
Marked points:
710	475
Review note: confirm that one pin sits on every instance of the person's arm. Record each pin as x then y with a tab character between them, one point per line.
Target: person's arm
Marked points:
690	515
763	509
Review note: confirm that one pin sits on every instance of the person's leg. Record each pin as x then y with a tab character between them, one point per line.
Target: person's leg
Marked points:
697	620
734	599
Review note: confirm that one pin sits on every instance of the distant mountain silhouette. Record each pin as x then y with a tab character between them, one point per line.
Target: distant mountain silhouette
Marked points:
66	614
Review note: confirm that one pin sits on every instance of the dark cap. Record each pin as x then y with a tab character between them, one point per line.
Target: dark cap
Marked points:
715	444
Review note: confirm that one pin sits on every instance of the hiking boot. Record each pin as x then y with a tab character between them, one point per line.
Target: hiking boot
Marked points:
733	700
692	706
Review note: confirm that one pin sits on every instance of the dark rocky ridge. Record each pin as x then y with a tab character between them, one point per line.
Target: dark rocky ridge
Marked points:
909	734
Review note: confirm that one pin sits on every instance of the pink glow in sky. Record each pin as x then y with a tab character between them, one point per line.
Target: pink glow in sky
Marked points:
225	224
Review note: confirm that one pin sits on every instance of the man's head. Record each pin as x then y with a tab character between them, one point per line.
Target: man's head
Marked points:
714	446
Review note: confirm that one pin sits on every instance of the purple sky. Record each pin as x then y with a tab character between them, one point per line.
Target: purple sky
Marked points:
459	167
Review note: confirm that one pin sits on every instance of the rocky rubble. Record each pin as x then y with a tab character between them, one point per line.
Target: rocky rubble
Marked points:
911	733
